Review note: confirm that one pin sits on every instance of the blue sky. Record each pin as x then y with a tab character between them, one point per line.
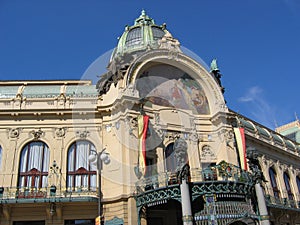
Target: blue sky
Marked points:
256	43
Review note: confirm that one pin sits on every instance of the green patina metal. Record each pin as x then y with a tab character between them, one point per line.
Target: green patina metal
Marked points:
114	221
223	191
282	203
226	182
44	91
8	91
214	66
143	35
81	91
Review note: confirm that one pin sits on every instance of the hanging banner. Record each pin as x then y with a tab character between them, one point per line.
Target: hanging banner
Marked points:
241	145
98	221
143	121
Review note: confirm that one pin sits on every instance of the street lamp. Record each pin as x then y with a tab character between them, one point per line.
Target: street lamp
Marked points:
99	158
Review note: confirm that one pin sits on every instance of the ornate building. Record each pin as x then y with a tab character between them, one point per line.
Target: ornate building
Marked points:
177	154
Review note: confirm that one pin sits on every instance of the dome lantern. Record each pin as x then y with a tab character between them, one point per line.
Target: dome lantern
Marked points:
143	35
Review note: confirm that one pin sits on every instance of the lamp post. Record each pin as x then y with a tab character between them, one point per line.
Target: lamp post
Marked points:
99	158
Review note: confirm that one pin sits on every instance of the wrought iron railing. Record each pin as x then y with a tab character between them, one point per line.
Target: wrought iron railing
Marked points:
282	202
25	193
221	172
282	199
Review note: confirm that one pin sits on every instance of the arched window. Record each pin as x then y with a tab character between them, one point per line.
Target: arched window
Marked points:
273	174
288	186
34	164
81	173
298	183
170	158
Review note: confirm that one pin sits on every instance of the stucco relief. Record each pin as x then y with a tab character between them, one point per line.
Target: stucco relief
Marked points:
207	153
37	134
60	132
82	134
14	133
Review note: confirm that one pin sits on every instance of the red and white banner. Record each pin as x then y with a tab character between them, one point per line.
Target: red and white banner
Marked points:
143	121
241	145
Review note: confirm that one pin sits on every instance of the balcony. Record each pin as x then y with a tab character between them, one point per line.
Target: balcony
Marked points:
221	173
49	194
226	181
284	203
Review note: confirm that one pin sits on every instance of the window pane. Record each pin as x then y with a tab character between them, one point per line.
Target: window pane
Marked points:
170	158
158	33
34	164
81	222
134	37
80	172
0	157
298	183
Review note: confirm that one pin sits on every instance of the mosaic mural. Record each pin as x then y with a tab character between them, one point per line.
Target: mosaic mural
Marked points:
169	86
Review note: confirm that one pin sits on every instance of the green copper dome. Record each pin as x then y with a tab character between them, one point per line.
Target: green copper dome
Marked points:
143	35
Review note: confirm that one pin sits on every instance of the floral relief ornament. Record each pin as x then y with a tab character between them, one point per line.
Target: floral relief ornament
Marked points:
37	133
60	132
14	133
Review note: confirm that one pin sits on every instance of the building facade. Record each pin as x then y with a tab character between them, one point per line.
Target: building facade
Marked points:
177	154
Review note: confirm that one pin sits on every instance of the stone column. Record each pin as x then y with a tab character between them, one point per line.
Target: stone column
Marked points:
262	207
187	216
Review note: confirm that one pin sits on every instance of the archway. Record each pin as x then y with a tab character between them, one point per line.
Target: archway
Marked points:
168	213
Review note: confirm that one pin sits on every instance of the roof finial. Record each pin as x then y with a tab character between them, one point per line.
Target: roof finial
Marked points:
214	66
144	19
143	13
296	116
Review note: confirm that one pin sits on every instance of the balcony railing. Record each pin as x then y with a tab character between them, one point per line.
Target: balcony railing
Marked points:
25	194
282	199
221	172
282	202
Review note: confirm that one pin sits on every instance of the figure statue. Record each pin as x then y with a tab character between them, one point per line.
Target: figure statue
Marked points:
214	70
254	165
180	151
184	173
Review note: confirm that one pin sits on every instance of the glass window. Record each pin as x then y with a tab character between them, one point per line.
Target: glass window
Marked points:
134	37
170	158
276	191
81	222
1	157
288	186
81	173
298	183
158	33
34	164
29	223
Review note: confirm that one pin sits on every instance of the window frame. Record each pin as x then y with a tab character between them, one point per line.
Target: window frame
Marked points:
31	176
81	172
288	188
274	183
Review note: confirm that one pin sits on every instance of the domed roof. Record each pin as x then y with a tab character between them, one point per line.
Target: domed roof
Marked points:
143	35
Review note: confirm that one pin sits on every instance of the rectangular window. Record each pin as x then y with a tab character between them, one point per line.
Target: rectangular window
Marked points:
29	223
80	222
